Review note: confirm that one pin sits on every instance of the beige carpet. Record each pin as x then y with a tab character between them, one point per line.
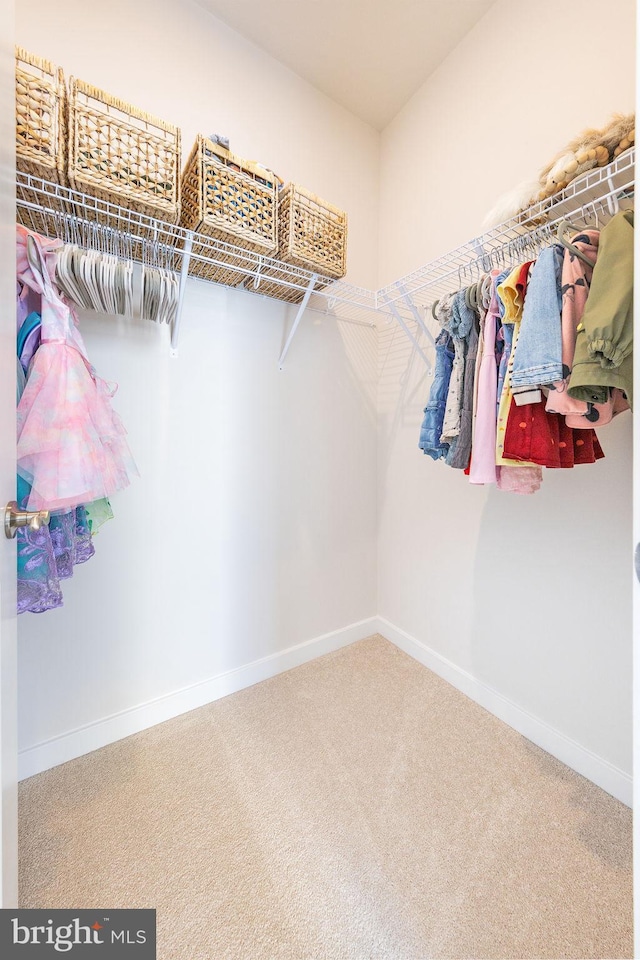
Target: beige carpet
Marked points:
356	808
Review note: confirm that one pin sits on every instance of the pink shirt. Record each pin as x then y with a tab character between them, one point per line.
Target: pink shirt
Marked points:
483	453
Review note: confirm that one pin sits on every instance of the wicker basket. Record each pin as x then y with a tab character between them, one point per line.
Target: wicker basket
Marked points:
122	155
313	235
40	130
230	199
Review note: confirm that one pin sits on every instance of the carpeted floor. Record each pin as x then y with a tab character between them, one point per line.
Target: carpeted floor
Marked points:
356	808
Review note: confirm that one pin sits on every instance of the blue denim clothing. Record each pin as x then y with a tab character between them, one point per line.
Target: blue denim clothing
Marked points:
458	321
434	411
460	451
507	338
538	356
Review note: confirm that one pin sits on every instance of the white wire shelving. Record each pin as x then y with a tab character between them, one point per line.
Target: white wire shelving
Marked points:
591	199
95	224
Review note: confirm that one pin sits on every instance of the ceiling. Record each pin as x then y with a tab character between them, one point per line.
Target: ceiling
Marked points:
368	55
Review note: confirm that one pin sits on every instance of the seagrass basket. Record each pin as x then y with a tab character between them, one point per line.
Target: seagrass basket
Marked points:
121	154
232	200
40	117
312	234
40	130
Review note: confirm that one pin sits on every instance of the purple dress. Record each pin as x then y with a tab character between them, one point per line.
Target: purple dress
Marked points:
48	555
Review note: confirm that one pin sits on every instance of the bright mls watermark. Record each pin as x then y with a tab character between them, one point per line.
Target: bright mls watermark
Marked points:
81	934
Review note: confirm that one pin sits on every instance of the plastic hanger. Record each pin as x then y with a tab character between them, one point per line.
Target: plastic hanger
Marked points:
36	261
563	226
127	274
470	297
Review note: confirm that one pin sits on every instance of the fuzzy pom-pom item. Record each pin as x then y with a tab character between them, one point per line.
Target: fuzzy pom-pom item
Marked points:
511	203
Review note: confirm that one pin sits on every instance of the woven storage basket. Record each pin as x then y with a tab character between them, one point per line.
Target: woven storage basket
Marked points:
230	199
313	235
40	129
40	117
122	155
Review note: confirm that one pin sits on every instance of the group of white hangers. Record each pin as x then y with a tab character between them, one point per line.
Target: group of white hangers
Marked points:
105	282
96	281
160	290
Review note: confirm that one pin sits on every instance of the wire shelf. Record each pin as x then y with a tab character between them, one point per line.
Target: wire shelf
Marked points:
95	224
596	194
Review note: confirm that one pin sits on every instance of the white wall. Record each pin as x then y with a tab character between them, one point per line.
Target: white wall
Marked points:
530	595
253	526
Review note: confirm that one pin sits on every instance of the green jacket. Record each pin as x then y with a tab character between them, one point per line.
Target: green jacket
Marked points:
604	342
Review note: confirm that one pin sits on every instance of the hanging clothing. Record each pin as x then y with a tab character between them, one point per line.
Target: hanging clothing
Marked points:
431	429
512	291
38	583
522	479
512	476
576	283
71	443
538	359
483	456
460	458
449	316
534	435
29	339
484	302
517	361
604	342
48	555
576	280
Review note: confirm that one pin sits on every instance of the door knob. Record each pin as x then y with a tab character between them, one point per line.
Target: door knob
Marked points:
14	518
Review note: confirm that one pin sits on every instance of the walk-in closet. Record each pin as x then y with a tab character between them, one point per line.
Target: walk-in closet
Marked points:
320	644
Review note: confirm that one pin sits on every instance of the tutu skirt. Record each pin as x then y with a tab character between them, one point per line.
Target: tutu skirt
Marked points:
72	446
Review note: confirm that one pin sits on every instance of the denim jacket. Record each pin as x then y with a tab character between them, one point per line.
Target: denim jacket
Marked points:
537	359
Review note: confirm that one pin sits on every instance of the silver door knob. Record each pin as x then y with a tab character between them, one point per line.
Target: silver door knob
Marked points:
14	518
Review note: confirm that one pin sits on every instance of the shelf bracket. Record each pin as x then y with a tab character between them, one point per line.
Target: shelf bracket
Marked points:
184	273
396	314
301	310
417	316
258	276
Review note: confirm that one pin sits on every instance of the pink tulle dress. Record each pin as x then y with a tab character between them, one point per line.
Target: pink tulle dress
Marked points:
72	445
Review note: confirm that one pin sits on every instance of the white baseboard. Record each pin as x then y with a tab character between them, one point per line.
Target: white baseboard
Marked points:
102	732
615	781
91	737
